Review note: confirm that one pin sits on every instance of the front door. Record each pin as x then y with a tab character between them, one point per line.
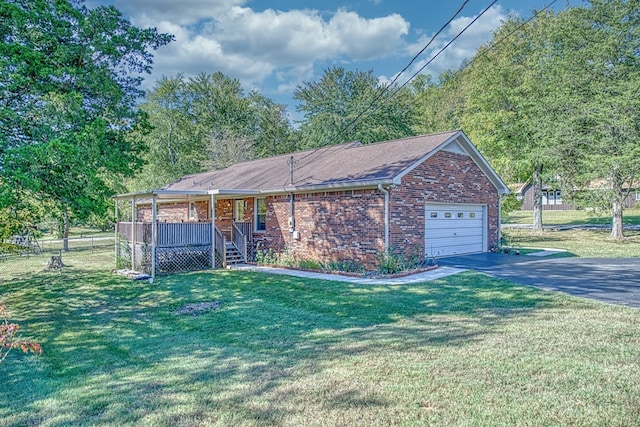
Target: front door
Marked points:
238	210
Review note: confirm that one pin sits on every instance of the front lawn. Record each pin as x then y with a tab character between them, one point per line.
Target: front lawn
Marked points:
274	350
574	217
583	243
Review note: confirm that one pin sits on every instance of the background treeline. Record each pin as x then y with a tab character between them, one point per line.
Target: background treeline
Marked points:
552	98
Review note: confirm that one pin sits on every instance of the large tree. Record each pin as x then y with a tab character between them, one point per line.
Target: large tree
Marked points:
347	106
596	109
506	90
69	85
207	122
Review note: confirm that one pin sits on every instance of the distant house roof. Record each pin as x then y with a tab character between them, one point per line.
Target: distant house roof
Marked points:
350	165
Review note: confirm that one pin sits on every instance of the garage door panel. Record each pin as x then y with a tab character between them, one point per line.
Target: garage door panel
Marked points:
454	250
458	232
455	241
454	229
447	223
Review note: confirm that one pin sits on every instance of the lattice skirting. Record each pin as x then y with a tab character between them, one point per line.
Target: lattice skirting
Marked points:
168	260
178	259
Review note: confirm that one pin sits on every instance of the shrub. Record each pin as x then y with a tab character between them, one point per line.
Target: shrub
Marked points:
9	337
394	261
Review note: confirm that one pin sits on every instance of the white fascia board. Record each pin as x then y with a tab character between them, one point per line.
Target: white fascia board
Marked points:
461	139
340	186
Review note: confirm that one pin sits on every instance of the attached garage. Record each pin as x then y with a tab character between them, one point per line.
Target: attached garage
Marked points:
455	229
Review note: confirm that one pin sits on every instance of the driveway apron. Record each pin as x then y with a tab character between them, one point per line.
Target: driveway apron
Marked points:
610	280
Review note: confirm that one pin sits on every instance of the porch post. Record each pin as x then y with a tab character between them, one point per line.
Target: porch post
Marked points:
213	231
133	233
154	231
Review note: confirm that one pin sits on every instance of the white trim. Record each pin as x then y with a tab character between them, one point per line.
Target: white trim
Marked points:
255	214
463	143
456	209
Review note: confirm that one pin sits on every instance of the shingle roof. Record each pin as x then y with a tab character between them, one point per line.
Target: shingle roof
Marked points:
346	164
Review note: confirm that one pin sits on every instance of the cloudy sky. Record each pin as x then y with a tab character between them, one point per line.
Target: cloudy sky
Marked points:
275	45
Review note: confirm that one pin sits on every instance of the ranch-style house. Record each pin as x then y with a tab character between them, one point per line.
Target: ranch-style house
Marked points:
430	195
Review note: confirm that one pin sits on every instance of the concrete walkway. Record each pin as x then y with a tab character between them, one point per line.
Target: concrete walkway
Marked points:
426	276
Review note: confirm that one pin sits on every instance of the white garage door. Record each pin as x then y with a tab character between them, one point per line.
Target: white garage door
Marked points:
454	229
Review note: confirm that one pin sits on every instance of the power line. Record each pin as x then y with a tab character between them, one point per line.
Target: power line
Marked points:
386	88
443	49
499	41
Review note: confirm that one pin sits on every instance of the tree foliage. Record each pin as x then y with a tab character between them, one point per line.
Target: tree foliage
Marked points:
347	106
596	107
207	122
69	84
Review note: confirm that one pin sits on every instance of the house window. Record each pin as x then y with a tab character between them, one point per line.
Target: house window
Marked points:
447	214
637	195
558	198
238	210
552	198
544	198
261	214
472	214
192	210
460	214
434	214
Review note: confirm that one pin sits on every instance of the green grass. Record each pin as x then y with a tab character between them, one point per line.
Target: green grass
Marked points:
582	243
577	217
468	350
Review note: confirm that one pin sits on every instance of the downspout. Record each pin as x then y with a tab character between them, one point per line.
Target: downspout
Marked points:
386	218
499	242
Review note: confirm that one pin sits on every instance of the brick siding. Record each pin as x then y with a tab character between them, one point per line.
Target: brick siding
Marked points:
349	225
446	177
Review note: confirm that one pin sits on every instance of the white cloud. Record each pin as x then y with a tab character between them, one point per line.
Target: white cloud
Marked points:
182	12
463	48
252	46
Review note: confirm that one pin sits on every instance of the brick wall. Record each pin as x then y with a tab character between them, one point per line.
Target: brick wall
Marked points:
349	225
446	178
175	212
332	226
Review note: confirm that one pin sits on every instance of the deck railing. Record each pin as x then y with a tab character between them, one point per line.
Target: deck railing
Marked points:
169	234
183	234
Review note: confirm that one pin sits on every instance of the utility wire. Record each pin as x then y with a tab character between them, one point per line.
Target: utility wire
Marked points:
441	50
499	41
388	86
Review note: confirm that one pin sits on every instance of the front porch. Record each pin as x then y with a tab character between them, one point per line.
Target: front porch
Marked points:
164	232
165	248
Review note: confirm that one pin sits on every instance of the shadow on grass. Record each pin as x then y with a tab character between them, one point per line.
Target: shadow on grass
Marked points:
116	351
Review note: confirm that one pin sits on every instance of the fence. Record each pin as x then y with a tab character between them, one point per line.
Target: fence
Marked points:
83	254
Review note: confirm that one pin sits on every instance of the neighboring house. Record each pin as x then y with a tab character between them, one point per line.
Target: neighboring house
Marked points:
431	196
552	198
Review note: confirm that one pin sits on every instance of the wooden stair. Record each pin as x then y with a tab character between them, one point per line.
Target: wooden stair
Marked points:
233	255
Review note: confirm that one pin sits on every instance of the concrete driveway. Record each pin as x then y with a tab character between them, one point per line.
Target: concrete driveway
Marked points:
610	280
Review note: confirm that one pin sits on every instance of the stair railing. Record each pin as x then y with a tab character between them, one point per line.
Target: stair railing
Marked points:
240	240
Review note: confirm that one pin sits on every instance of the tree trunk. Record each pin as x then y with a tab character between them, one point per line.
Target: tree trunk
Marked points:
537	199
617	232
65	232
